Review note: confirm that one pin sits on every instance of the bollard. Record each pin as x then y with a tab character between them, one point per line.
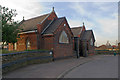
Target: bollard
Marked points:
114	54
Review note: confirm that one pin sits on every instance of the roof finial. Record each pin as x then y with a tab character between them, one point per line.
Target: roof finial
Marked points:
83	23
23	18
53	9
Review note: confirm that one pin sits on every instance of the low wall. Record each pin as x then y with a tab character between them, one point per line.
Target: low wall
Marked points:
12	61
106	52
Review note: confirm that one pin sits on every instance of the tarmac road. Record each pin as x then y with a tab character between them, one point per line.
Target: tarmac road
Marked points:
92	66
103	67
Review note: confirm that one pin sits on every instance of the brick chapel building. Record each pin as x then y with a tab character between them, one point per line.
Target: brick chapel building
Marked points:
47	32
83	41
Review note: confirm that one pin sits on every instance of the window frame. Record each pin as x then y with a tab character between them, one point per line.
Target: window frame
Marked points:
91	42
67	40
28	46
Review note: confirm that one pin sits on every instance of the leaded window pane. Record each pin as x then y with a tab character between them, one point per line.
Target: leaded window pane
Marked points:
28	44
91	41
63	38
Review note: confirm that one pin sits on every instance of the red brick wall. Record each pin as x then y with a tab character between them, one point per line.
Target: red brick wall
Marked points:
48	42
52	16
40	27
91	48
21	43
33	41
10	47
83	28
63	49
59	50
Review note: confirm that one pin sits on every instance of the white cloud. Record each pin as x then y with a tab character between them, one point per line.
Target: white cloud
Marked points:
102	6
115	15
104	27
108	32
109	29
109	26
75	23
103	40
79	0
89	24
24	8
80	9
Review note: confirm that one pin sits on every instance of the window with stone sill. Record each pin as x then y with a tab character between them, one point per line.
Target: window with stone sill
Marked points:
63	37
15	46
28	44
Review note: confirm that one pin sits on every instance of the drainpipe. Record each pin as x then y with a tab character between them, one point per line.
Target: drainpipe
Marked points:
37	39
85	54
78	48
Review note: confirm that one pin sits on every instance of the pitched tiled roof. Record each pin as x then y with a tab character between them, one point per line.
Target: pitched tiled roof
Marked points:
30	24
76	31
53	26
87	35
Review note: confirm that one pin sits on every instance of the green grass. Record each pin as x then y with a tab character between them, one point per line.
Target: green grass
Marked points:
38	50
6	51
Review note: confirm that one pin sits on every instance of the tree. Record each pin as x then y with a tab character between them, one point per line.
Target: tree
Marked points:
0	25
10	27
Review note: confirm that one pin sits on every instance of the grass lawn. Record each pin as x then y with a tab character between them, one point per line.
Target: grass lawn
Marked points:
6	51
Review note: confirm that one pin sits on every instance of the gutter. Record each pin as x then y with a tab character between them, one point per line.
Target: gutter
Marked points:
28	32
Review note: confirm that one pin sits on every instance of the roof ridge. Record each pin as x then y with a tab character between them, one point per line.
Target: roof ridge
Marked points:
48	26
36	17
61	17
89	30
75	27
54	25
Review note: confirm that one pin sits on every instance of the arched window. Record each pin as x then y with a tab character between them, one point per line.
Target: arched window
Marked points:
15	46
63	37
28	44
91	42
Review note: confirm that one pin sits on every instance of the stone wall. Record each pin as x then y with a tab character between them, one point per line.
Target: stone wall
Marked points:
12	61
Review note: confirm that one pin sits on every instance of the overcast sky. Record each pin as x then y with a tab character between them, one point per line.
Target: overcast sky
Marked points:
101	17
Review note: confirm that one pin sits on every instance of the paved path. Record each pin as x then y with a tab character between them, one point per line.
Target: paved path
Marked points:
103	67
59	69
